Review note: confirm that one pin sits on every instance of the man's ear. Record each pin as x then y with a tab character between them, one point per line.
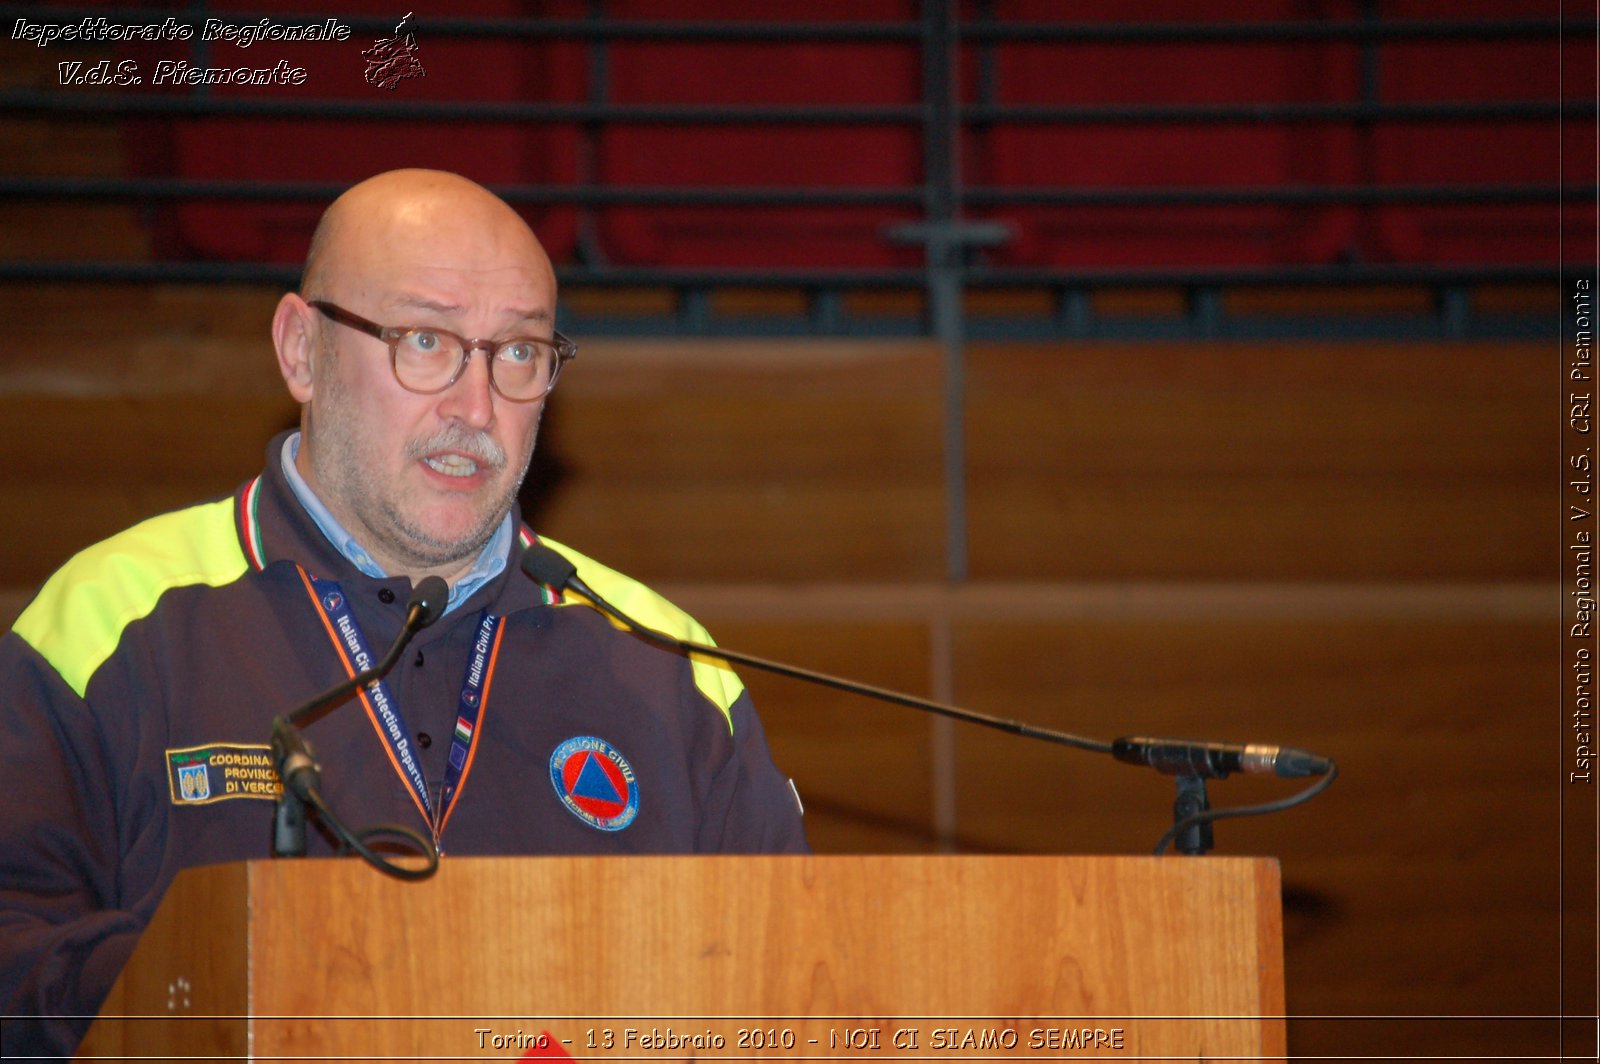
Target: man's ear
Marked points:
294	335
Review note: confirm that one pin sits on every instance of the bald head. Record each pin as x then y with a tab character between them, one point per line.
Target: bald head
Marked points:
420	479
415	212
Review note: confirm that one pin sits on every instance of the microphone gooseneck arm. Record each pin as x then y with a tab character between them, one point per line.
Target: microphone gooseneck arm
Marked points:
301	775
425	606
541	564
1191	761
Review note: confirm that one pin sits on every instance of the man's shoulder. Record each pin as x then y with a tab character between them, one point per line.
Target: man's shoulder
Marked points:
719	683
631	596
78	616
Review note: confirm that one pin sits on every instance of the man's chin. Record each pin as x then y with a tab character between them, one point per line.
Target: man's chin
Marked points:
444	541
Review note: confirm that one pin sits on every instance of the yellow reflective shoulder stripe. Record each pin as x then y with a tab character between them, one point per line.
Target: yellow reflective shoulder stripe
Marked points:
78	618
715	679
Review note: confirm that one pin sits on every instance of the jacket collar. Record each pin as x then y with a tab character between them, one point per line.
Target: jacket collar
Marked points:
275	529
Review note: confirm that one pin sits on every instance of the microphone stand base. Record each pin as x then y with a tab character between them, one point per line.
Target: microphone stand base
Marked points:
1195	839
289	826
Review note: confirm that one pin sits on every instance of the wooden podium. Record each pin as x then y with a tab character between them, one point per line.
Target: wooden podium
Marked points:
745	958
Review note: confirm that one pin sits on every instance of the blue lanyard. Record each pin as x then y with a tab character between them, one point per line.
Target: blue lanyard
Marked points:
384	712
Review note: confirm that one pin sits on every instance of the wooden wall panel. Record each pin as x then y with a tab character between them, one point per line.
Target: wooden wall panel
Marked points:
1312	461
86	340
95	466
717	460
1422	882
863	769
123	401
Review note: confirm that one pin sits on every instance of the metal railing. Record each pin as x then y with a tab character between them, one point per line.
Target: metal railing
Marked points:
941	201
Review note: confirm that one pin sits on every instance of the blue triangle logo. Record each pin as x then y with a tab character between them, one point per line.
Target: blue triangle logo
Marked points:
594	783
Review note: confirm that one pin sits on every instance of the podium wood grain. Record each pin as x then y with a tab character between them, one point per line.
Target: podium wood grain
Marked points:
327	958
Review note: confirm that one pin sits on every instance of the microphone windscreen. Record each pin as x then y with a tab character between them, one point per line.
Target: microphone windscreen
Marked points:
430	597
547	567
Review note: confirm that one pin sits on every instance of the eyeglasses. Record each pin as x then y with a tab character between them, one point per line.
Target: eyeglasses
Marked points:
429	360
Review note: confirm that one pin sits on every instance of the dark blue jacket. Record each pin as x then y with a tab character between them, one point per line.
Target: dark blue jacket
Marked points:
138	688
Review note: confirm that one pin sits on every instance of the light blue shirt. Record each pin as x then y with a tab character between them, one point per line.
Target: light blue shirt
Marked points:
491	560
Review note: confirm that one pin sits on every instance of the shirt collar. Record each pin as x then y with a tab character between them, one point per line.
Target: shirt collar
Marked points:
491	560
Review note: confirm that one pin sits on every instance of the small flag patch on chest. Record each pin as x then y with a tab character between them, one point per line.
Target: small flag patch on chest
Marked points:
595	783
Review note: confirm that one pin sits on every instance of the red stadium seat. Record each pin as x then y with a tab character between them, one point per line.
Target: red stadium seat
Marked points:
341	150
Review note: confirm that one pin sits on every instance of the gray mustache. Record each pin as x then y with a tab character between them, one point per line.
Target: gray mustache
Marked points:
456	438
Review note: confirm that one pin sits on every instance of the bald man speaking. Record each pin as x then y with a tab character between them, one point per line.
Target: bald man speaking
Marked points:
137	689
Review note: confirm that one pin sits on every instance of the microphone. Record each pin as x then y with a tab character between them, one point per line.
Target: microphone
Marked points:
1185	757
1192	761
548	567
429	599
292	756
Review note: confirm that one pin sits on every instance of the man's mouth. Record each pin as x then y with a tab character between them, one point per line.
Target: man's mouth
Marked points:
459	454
451	465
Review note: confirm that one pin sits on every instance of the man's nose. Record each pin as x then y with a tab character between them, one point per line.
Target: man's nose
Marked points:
471	398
